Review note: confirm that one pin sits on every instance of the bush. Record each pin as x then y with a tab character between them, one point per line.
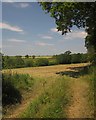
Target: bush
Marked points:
28	63
42	62
64	59
76	58
13	85
12	62
10	94
79	58
53	62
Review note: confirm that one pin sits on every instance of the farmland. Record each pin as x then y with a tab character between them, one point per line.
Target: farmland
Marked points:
48	65
58	91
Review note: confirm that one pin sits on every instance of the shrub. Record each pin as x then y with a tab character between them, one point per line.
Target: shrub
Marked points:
12	62
13	85
10	94
28	63
64	58
53	62
42	62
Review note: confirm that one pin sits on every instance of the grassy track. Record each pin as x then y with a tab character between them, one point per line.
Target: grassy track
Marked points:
59	91
80	106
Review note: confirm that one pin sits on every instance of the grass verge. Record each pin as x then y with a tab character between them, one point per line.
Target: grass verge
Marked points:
51	103
13	88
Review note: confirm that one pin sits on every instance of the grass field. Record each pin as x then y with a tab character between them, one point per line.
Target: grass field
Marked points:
60	91
38	57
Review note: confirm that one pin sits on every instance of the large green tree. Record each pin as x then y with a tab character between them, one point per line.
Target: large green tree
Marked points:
80	14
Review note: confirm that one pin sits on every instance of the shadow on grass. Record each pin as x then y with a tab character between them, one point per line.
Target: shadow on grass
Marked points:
10	94
77	71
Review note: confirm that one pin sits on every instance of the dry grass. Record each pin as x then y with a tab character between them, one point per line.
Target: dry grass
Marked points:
46	71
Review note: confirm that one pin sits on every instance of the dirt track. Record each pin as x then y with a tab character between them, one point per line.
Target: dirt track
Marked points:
79	107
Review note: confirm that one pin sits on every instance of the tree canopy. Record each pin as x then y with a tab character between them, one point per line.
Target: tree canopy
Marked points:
80	14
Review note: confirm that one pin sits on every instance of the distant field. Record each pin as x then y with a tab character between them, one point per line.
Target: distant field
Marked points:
47	70
39	56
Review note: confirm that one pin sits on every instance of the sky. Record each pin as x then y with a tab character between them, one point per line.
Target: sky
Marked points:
26	29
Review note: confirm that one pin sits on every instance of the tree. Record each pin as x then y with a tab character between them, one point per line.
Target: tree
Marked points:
42	62
67	52
28	63
26	56
19	62
80	14
64	58
33	56
76	58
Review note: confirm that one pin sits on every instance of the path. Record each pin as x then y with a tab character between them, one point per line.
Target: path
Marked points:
29	97
79	107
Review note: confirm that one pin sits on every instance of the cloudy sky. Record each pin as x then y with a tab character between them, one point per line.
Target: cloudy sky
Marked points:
26	29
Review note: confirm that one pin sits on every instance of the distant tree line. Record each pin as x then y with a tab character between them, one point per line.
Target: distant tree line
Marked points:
68	58
9	62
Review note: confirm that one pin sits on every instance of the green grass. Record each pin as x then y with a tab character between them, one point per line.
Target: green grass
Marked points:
92	80
90	77
20	81
51	103
13	88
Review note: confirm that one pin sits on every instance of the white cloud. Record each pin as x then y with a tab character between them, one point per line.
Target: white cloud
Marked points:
75	35
55	30
10	27
11	1
43	44
16	40
46	37
14	1
21	5
71	35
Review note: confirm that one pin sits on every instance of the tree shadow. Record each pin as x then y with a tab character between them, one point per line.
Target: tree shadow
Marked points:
10	94
75	72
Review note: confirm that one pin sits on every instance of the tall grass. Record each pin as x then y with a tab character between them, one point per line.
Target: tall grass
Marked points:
93	79
13	86
51	103
20	81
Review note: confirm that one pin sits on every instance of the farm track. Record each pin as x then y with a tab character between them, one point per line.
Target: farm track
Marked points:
79	106
34	94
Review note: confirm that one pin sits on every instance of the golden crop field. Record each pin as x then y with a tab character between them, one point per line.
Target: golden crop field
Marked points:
47	70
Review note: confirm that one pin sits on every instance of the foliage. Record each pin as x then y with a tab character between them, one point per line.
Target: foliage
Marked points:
1	60
33	56
28	62
9	62
19	62
79	58
80	14
12	62
12	87
42	62
11	95
53	61
26	56
68	58
64	58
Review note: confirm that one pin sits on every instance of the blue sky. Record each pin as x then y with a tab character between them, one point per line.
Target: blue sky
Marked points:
26	29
